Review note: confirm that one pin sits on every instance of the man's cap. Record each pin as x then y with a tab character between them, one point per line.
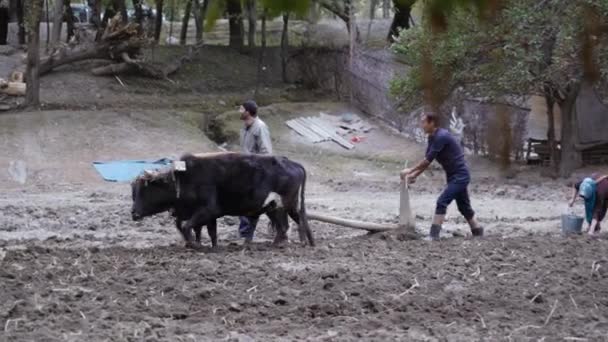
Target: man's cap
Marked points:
251	107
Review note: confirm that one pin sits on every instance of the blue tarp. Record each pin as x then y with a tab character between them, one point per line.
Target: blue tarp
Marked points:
127	170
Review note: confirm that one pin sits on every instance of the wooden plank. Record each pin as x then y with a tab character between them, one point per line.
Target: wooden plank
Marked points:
326	136
314	128
335	136
304	131
298	130
322	137
341	140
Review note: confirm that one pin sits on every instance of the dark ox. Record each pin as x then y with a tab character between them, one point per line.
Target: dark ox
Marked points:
219	184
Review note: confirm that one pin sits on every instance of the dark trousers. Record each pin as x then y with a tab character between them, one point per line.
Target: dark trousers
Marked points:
455	191
247	226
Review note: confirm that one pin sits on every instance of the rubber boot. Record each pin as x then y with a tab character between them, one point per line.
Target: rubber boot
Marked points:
434	232
477	232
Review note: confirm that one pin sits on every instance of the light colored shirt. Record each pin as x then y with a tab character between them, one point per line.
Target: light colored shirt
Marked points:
255	139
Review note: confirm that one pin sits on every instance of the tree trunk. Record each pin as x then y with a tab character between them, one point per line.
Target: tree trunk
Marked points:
109	13
48	24
285	46
171	20
235	20
95	6
4	18
32	94
550	101
571	158
260	76
69	19
120	6
401	20
21	22
185	21
344	14
313	13
159	20
139	14
251	19
57	19
372	15
196	13
373	4
386	9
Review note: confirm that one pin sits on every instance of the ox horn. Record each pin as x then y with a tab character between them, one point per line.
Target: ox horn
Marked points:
149	173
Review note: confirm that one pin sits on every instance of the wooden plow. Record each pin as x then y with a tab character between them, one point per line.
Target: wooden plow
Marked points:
406	219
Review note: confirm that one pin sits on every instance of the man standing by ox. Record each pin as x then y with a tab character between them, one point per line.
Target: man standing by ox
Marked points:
255	139
443	147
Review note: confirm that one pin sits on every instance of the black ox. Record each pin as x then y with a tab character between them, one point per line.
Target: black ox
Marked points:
219	184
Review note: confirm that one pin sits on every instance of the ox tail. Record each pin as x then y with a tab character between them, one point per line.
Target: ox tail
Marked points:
303	227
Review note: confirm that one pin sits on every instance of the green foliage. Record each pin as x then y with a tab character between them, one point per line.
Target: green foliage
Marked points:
526	46
276	8
273	8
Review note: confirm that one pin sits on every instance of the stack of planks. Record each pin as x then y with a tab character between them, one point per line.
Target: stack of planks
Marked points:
316	130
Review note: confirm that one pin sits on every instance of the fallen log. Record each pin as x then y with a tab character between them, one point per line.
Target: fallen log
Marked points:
372	227
111	69
12	88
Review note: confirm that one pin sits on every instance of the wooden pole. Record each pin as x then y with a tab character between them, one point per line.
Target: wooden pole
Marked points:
372	227
406	219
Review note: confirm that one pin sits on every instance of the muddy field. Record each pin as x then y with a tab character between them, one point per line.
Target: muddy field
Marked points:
371	288
74	267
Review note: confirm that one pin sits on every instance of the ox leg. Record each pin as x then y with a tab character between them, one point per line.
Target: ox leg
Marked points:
197	234
303	228
199	219
301	232
180	229
278	219
212	231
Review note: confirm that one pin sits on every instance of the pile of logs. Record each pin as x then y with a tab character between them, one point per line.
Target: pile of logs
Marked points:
14	86
119	46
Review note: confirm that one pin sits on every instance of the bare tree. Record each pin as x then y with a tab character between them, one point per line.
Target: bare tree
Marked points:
260	76
386	9
139	14
342	9
95	6
197	14
48	24
251	19
158	26
69	18
57	20
185	21
120	6
235	21
32	74
4	18
20	21
285	46
373	4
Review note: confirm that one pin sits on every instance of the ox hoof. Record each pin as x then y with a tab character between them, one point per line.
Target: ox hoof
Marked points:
279	242
194	245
